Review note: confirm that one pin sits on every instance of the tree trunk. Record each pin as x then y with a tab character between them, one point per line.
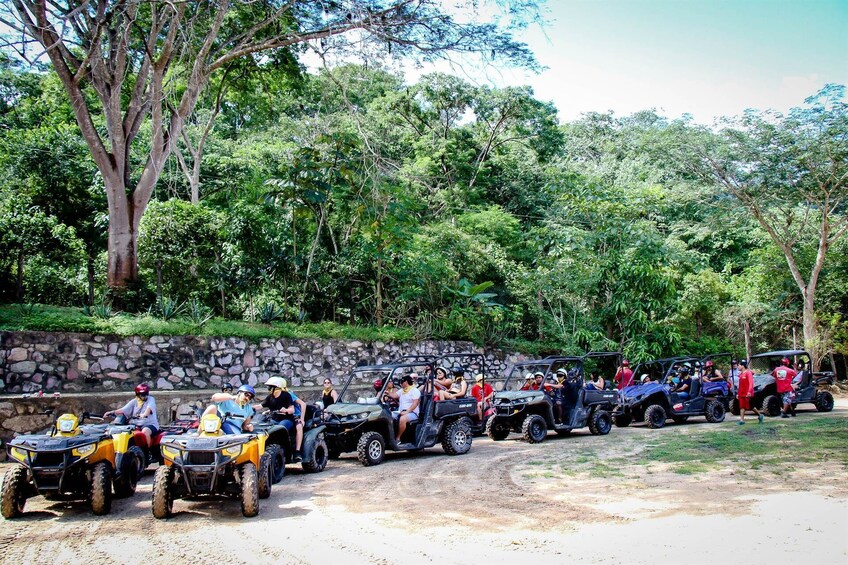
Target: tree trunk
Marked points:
748	351
540	327
699	326
159	281
379	307
123	240
19	288
810	331
90	268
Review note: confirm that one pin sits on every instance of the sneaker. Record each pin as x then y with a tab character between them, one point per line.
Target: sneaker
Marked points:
784	415
792	414
740	423
761	418
296	458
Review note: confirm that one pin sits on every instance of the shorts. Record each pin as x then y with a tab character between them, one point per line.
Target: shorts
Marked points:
789	397
153	429
744	402
410	416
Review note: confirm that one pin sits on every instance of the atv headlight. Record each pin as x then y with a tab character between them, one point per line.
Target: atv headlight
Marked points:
233	451
66	426
211	425
84	451
169	453
18	453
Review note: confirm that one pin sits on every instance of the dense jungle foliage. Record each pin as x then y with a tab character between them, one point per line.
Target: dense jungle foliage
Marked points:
439	207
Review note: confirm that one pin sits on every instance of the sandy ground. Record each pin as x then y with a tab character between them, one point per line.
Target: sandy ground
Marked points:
496	505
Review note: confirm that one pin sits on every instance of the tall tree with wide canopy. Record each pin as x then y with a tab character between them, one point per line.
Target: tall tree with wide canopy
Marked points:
791	172
151	60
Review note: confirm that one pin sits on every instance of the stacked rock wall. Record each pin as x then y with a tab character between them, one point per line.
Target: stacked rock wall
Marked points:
66	362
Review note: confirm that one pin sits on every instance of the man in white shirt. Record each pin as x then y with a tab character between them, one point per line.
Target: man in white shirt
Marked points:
408	400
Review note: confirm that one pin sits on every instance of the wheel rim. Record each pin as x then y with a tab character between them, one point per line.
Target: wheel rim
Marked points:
460	438
536	429
375	449
656	417
604	425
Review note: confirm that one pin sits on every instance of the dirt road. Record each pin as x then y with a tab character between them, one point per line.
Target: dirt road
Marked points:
503	502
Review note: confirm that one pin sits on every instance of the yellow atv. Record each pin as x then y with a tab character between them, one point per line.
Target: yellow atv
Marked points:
72	461
212	463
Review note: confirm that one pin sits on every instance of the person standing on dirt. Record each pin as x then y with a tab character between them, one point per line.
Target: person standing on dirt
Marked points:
329	395
623	376
745	392
142	409
237	408
783	376
733	373
483	392
408	399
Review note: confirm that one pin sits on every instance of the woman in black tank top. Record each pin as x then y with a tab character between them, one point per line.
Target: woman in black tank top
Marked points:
329	396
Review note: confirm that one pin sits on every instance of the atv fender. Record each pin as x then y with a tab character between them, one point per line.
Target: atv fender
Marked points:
310	437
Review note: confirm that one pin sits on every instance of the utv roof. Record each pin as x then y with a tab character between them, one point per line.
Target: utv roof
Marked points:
388	366
785	353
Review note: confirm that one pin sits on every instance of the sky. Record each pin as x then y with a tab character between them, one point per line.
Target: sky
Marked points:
707	58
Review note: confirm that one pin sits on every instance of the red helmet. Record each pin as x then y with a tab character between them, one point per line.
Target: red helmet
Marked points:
378	384
142	390
709	364
786	362
626	363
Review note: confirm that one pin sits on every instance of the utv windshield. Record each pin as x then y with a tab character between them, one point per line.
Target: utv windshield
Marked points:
765	363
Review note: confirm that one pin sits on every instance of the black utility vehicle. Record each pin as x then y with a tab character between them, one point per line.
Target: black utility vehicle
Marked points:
465	366
362	420
280	445
651	400
765	390
523	404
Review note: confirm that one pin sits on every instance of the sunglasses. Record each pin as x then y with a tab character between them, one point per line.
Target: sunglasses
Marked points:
272	388
327	383
247	395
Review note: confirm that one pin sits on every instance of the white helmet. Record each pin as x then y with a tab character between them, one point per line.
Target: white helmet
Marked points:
278	382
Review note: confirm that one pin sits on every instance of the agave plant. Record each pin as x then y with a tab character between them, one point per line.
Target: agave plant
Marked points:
102	310
270	312
198	312
169	308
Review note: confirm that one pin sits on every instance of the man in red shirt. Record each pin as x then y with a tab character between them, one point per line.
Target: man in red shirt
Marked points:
624	376
483	393
745	392
783	376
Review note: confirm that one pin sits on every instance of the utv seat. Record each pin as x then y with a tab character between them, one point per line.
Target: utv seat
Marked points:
695	388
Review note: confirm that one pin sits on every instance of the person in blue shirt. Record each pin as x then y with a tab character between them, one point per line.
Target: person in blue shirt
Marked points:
237	407
684	383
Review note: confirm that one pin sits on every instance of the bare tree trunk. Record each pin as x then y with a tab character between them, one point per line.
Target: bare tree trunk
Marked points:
159	281
90	268
699	326
748	351
19	289
379	307
540	327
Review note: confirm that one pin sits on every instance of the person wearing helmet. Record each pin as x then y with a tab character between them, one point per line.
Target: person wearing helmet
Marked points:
458	387
442	383
140	411
711	373
538	380
528	382
236	407
554	388
624	375
783	376
682	383
286	408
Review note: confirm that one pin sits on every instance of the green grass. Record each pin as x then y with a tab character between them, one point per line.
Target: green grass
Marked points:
775	445
63	319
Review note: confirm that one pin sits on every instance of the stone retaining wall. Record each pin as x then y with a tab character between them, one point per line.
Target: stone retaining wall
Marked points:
69	362
98	372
